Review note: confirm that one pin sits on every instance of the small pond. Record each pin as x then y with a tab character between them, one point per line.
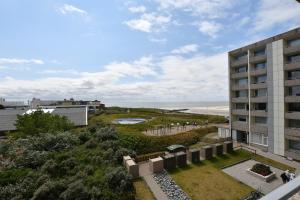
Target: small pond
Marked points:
129	120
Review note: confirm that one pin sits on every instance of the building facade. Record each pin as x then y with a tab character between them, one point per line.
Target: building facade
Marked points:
264	82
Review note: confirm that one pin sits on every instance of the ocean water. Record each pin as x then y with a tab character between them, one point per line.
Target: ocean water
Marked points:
214	108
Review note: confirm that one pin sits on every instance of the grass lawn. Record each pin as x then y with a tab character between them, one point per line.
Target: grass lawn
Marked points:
206	181
273	163
142	190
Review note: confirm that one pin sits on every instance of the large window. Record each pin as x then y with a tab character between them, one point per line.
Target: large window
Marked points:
294	90
260	79
260	106
293	144
243	81
241	93
294	75
260	92
294	42
260	52
260	139
242	118
294	107
260	120
241	56
242	106
260	66
241	69
293	123
295	58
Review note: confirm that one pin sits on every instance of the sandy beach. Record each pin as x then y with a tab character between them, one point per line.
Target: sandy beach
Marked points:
208	110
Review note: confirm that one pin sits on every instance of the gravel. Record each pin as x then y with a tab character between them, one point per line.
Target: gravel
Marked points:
170	188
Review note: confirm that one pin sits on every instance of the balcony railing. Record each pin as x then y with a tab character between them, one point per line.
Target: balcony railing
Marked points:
239	75
239	100
258	85
241	126
240	112
258	58
292	99
292	115
261	99
259	113
258	72
292	82
290	50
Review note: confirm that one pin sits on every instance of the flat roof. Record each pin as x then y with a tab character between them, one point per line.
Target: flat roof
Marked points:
286	35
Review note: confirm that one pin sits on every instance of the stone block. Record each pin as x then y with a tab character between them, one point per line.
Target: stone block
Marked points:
194	155
207	152
156	165
181	159
169	161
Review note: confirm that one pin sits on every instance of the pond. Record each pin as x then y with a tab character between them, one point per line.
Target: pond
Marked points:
129	120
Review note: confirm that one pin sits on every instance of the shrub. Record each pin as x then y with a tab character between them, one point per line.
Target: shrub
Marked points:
12	176
119	179
75	191
50	190
261	169
32	159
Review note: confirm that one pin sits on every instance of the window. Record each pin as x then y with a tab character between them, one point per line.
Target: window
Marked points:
260	52
243	81
260	93
294	144
241	56
294	107
260	106
260	79
260	120
242	93
294	42
295	58
292	75
260	66
293	123
242	118
241	69
260	139
294	90
241	106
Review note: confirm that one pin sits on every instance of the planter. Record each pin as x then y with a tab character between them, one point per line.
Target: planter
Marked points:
267	178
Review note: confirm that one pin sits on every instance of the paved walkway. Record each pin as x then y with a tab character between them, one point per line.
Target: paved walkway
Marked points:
239	172
277	158
148	177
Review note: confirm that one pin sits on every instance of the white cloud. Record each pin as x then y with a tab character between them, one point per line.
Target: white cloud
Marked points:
275	12
173	78
67	8
209	28
204	8
137	9
149	22
19	61
59	71
190	48
158	40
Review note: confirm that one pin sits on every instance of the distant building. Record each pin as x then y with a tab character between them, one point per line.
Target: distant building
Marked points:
265	94
5	103
93	106
78	115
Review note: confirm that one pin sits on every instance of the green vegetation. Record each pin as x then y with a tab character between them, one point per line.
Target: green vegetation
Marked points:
273	163
132	136
64	165
142	190
40	122
261	169
207	181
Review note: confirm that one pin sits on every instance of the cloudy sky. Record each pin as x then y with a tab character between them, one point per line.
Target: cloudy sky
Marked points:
121	50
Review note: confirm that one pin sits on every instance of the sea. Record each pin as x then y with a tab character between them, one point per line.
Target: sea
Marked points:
210	108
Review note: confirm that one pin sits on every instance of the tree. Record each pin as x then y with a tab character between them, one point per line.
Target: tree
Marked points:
40	122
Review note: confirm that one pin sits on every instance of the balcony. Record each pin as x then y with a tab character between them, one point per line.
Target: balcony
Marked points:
259	113
262	99
240	126
239	87
259	128
292	82
258	58
240	100
258	72
239	75
292	99
239	112
292	66
239	62
258	85
292	133
292	115
291	50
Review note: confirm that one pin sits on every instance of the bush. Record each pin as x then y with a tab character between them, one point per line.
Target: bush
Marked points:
50	190
32	159
76	191
119	180
40	122
261	169
12	176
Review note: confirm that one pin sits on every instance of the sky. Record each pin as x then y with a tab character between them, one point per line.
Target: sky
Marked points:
126	50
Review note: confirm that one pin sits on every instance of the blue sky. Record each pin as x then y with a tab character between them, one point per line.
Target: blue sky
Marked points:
118	50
